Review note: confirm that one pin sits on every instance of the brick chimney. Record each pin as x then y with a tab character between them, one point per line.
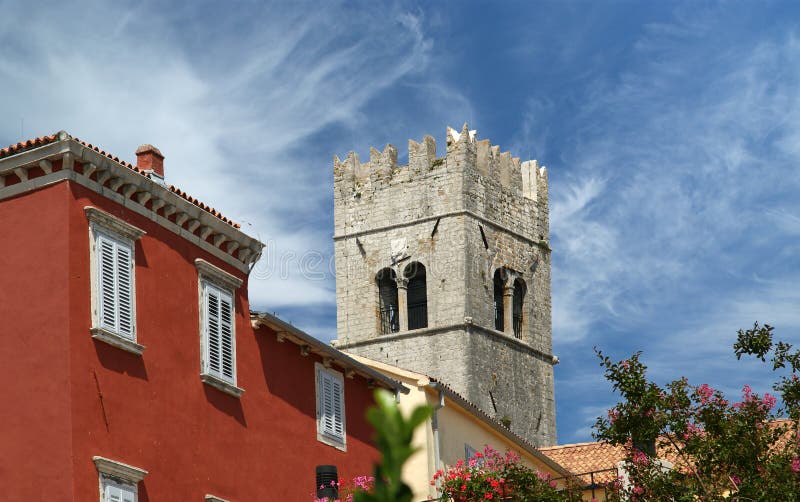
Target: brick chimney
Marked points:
149	158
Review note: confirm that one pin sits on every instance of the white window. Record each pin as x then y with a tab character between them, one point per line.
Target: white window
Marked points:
113	280
118	492
217	327
218	333
330	407
118	482
115	285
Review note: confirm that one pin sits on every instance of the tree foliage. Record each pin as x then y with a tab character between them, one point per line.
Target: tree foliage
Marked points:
715	449
393	434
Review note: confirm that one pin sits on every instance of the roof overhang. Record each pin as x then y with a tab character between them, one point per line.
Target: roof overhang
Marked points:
133	190
308	344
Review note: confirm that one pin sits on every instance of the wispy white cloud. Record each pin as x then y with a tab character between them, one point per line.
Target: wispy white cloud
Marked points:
690	231
240	100
686	178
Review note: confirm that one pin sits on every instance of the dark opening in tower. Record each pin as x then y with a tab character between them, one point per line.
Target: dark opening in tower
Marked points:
519	298
499	280
387	301
417	296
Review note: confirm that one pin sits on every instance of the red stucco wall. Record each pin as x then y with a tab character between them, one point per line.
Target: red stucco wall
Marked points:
35	419
192	438
154	413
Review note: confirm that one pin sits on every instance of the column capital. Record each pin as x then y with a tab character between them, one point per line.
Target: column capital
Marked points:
402	282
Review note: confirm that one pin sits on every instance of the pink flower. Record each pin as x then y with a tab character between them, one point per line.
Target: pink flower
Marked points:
768	401
705	392
796	464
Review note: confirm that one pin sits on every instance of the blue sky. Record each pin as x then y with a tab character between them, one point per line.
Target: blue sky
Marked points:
671	132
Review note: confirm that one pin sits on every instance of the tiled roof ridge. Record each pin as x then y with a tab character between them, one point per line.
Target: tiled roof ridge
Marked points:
27	144
61	135
572	445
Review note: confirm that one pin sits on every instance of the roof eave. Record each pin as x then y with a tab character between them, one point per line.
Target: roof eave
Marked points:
299	337
227	242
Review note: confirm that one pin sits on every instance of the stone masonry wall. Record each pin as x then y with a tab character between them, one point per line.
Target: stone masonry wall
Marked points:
462	216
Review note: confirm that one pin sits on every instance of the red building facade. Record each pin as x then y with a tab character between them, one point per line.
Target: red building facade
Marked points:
135	369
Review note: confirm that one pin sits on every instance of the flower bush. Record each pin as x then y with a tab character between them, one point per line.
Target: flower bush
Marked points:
489	475
721	450
348	488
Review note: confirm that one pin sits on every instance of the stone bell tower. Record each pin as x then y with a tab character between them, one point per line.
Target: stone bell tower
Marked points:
443	267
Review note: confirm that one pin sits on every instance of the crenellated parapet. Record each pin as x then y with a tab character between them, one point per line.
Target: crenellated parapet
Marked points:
465	153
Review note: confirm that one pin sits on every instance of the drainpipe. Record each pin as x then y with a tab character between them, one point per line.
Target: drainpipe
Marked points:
435	427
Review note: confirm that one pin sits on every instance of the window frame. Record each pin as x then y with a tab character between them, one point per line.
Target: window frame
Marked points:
110	228
323	435
112	473
216	279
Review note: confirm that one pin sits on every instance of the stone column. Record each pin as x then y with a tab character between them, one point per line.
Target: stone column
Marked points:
508	306
402	302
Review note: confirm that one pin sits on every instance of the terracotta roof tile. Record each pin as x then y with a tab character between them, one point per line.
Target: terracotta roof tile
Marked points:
44	140
584	458
27	145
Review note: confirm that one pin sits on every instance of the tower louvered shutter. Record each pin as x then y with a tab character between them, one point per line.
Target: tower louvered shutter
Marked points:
331	405
219	333
115	286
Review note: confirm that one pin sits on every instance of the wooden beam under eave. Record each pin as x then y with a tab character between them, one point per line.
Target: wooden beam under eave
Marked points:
89	169
232	247
219	239
181	219
22	173
129	191
68	161
192	226
205	232
46	166
143	197
116	183
103	177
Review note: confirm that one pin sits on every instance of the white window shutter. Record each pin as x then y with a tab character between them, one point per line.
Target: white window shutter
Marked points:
212	329
125	290
331	405
115	286
226	334
113	494
107	283
120	493
128	494
220	353
338	409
